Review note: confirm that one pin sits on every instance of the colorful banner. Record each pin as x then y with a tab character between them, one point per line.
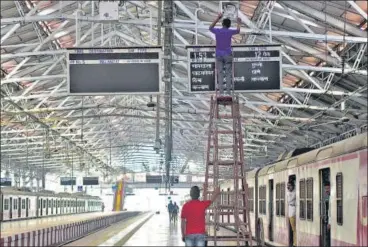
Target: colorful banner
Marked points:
119	196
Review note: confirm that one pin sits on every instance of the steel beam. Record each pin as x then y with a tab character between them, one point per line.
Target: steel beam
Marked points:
358	9
309	11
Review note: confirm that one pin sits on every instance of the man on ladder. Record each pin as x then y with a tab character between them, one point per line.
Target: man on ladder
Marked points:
224	57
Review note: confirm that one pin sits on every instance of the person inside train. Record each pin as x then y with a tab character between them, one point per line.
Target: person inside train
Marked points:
291	200
224	57
193	218
327	213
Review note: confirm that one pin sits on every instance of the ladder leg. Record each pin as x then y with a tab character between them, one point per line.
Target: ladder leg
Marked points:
221	164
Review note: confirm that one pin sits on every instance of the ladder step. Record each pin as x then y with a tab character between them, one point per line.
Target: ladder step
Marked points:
211	223
232	192
230	207
225	162
224	224
228	238
225	132
224	100
223	146
225	116
224	213
224	206
225	177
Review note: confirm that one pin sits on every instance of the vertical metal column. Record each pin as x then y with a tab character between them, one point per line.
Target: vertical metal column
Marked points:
225	160
159	17
168	41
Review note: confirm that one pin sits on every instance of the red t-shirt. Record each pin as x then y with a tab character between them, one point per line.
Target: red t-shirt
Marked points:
194	213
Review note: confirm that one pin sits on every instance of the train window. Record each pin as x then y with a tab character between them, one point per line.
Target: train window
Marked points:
339	199
302	197
44	203
262	199
6	204
282	199
310	199
15	204
23	204
251	199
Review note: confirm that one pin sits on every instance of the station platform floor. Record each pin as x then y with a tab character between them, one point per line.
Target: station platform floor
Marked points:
16	227
158	231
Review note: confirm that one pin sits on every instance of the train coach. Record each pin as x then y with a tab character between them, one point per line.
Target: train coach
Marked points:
342	166
21	203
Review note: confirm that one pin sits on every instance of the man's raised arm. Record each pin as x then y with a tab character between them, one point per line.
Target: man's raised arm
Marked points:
215	194
238	25
215	21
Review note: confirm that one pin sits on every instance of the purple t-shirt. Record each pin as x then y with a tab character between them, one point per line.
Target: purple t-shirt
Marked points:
223	40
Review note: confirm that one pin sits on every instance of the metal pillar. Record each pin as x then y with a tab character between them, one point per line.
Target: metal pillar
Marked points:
43	178
168	41
38	183
159	17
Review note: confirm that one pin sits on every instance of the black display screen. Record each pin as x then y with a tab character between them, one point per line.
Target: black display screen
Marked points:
256	68
68	181
90	181
114	71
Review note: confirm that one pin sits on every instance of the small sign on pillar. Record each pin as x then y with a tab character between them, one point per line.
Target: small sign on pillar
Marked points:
109	11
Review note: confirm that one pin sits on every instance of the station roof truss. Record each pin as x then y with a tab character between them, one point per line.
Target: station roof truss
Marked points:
324	54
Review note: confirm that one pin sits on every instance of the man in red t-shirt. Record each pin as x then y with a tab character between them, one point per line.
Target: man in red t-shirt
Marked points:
193	218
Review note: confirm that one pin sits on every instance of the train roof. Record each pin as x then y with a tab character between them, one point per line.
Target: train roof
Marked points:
46	193
352	144
252	173
15	191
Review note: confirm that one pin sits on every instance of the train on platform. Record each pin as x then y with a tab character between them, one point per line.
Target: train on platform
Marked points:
342	166
21	203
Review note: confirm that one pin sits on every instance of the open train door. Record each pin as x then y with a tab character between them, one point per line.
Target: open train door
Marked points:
27	206
270	209
11	208
1	207
324	207
19	207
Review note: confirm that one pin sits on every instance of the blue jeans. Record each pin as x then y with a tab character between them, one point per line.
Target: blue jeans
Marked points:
195	240
225	65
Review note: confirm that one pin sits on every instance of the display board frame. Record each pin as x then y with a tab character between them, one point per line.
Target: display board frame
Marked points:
73	181
6	182
235	48
89	179
109	50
